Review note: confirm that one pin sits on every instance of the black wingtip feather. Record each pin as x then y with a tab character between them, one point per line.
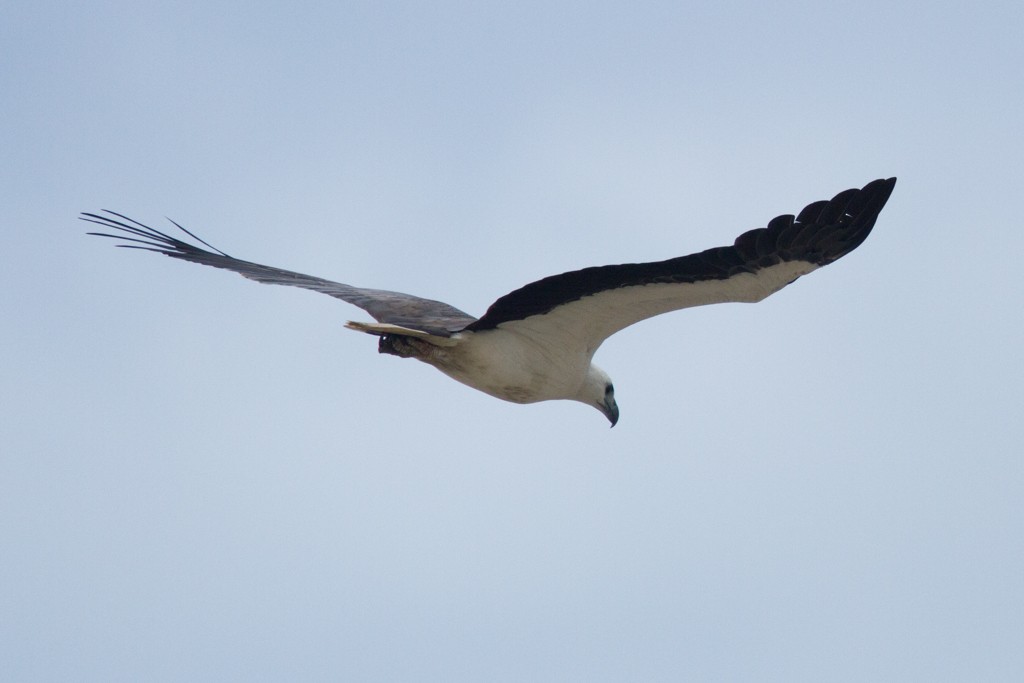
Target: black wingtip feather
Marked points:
131	230
195	236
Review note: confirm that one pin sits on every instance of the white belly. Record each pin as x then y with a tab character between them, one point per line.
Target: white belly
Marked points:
511	367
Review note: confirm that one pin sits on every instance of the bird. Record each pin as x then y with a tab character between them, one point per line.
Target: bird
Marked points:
537	342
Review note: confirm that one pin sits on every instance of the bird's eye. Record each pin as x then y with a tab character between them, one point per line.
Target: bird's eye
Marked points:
609	390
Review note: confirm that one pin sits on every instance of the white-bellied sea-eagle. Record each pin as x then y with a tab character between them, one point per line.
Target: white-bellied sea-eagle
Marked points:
536	343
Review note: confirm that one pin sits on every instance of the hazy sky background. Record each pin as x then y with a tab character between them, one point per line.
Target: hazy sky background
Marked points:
203	478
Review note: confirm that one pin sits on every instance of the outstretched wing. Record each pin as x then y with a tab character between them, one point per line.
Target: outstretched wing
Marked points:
405	310
587	306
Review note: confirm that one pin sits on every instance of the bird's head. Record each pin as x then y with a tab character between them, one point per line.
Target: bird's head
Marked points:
597	391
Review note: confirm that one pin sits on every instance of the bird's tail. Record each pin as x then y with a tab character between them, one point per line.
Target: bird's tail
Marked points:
383	329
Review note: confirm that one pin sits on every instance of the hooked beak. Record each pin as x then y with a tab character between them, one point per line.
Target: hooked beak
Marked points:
610	409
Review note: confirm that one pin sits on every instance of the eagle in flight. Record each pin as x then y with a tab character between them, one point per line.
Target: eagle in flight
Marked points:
537	342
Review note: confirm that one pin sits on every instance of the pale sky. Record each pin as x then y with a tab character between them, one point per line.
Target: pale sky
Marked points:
207	479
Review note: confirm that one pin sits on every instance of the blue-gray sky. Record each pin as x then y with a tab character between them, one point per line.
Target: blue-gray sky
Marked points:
207	479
